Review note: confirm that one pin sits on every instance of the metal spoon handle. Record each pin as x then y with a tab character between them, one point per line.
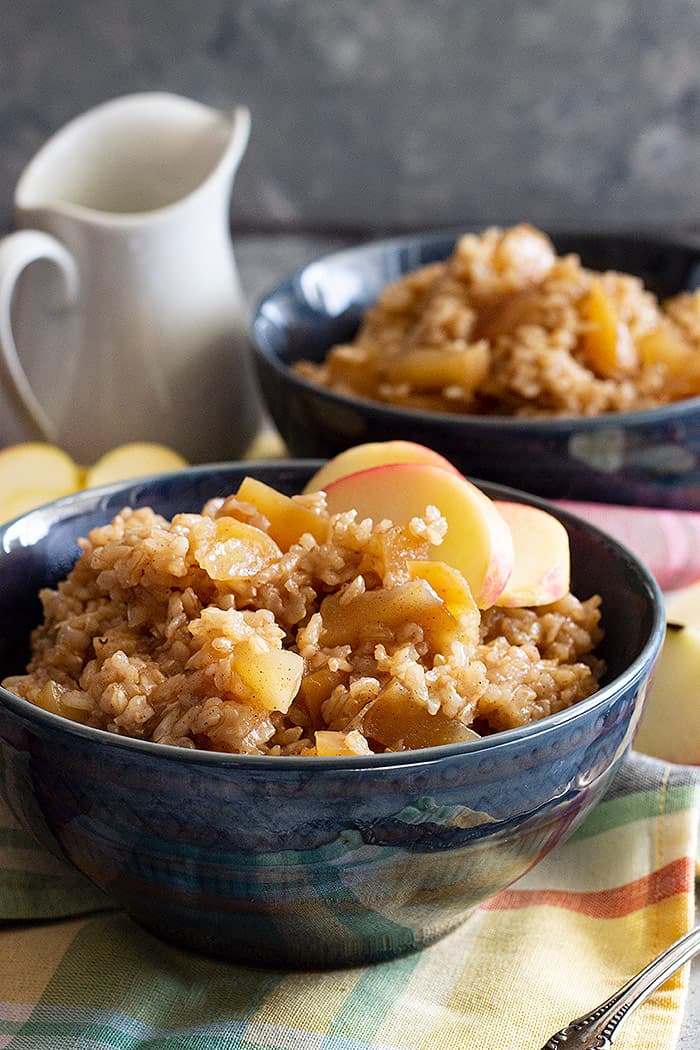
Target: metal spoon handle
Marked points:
594	1031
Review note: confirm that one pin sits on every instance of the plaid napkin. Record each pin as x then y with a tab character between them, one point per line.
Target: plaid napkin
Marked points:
75	973
550	947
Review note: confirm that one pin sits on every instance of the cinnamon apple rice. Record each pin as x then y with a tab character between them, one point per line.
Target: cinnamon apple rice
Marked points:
201	632
506	327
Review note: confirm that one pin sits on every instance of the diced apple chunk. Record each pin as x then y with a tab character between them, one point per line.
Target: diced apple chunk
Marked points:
399	722
541	573
363	617
330	743
375	454
607	344
449	585
273	676
51	698
478	541
228	549
664	345
317	686
428	369
288	519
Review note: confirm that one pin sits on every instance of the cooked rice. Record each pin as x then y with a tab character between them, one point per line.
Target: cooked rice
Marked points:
504	327
146	636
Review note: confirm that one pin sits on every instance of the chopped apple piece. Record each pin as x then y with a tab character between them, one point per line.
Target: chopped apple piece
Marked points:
361	618
273	676
51	698
670	724
133	460
354	368
288	519
505	314
375	454
32	473
664	345
230	549
399	722
427	369
478	541
329	743
541	573
449	585
317	686
607	343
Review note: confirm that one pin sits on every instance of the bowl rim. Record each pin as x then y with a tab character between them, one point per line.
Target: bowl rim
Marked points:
465	421
99	496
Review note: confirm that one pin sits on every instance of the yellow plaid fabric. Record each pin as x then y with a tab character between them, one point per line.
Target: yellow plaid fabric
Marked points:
540	953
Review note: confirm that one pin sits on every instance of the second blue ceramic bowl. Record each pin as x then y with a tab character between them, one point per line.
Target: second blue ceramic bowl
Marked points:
650	458
307	862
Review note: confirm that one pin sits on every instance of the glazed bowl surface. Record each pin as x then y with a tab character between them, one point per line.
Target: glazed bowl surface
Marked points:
307	862
649	457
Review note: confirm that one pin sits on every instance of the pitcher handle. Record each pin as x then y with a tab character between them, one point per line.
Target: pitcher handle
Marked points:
17	251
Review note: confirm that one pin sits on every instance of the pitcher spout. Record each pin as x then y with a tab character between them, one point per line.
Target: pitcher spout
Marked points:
238	142
134	155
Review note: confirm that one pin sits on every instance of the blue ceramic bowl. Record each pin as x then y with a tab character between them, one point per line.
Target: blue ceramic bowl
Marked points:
320	861
650	457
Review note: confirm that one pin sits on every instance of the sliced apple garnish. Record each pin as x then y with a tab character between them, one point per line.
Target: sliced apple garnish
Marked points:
375	454
133	460
541	573
478	541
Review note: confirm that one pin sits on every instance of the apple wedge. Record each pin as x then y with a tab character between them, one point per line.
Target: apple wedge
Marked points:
478	540
670	725
375	454
541	573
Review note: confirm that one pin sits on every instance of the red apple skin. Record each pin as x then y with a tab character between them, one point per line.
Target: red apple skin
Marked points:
478	540
375	454
541	573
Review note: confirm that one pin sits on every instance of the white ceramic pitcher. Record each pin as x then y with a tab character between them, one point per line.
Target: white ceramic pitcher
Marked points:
130	324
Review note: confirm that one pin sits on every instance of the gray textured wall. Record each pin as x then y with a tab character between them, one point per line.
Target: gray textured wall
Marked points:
392	113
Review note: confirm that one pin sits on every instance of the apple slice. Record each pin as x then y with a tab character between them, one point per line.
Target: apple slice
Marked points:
478	541
683	606
375	454
133	460
541	573
670	725
32	473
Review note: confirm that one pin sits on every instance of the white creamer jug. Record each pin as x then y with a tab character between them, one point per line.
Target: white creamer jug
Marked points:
121	313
